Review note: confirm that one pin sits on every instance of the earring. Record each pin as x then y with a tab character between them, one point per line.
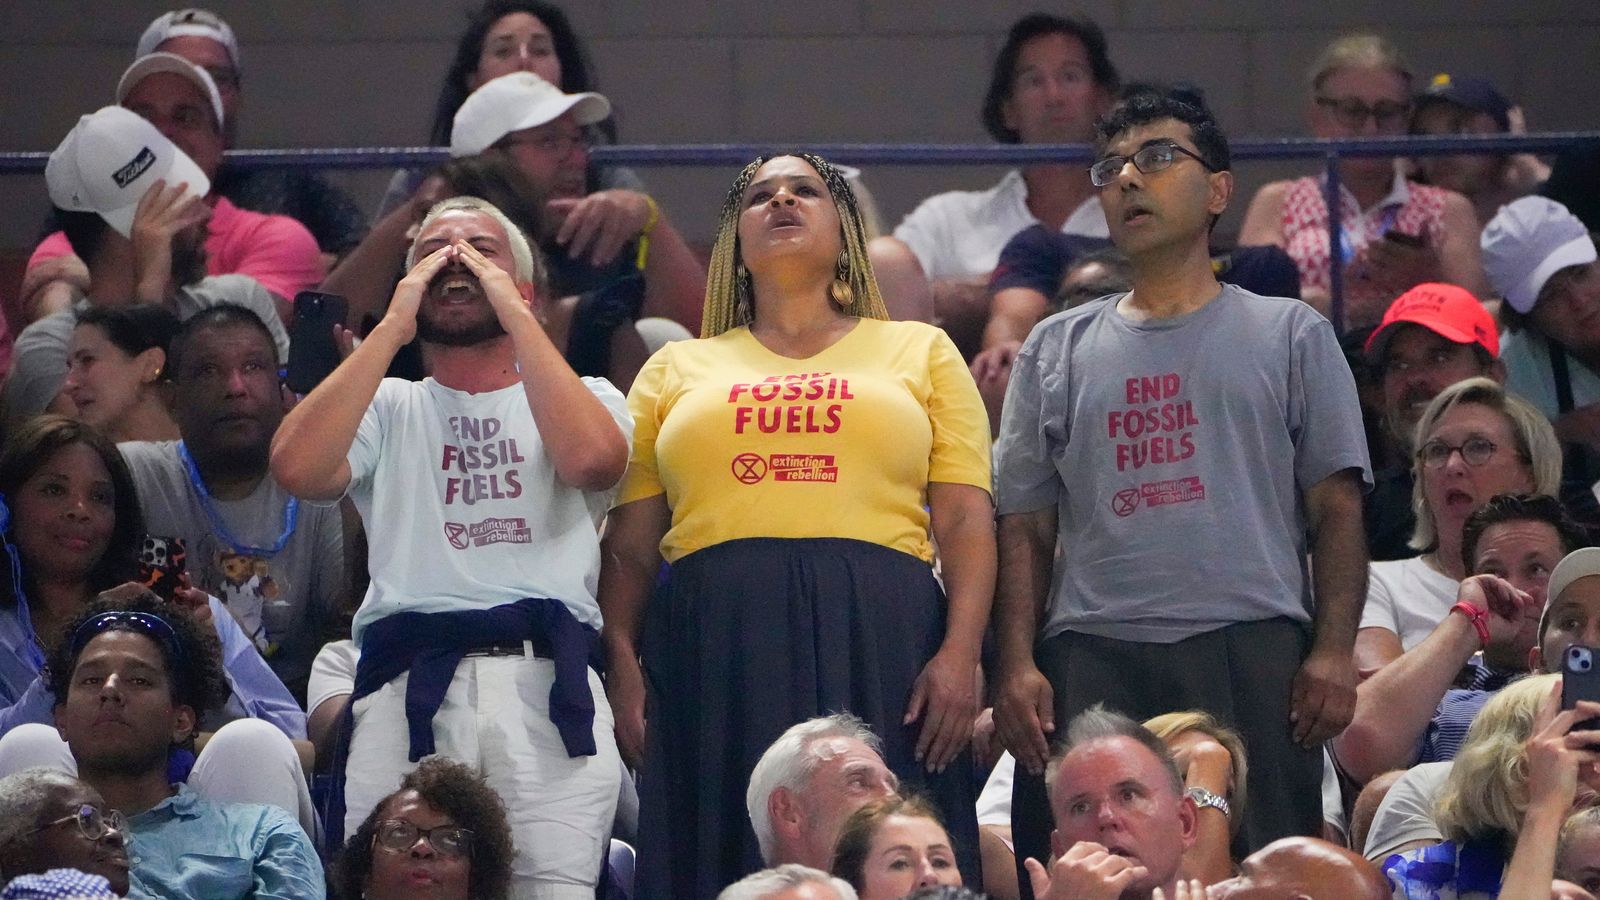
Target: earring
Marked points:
840	291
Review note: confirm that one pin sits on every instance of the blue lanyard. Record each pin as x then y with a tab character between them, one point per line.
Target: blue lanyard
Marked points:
1347	242
35	655
291	513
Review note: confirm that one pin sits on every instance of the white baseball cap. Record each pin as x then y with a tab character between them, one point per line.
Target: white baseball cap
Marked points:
1526	242
153	63
514	102
108	161
188	23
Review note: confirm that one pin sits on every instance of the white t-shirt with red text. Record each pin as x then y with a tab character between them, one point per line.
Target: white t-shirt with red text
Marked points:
463	507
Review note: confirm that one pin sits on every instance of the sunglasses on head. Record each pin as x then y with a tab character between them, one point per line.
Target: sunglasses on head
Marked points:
148	624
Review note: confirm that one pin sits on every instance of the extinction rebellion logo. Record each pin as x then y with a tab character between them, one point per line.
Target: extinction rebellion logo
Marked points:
751	468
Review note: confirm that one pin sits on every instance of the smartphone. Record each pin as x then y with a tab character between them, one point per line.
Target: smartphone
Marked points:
1580	680
313	352
163	565
1405	240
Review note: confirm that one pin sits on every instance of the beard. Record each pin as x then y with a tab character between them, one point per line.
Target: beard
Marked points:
459	333
189	256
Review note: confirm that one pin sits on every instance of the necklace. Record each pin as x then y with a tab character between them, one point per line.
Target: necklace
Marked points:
291	513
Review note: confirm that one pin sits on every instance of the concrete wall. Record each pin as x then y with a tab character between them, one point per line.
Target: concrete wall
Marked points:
366	72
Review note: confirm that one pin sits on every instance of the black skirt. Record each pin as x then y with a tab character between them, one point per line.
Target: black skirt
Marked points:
750	637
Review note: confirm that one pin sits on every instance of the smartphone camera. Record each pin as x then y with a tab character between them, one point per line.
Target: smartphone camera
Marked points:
1579	659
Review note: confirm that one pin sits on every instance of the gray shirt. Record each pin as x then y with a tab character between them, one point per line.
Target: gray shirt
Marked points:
39	360
1177	453
283	601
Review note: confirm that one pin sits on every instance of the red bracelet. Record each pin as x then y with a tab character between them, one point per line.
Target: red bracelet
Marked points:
1479	619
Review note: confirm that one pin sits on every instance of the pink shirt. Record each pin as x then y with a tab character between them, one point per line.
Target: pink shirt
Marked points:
274	250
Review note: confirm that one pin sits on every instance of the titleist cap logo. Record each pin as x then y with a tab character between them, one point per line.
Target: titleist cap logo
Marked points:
135	167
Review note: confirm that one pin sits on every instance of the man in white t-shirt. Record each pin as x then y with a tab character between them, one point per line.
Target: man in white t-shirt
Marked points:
480	488
1052	79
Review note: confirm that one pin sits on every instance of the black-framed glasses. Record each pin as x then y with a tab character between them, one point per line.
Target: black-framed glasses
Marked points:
1149	159
1475	450
148	624
398	835
92	823
1353	113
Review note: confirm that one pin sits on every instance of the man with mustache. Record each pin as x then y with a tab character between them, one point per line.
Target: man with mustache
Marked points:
481	488
1431	337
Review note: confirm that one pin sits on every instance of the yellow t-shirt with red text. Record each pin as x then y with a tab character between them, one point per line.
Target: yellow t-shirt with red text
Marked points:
843	444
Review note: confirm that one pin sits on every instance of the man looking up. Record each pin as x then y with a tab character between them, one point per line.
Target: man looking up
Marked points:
481	488
1217	441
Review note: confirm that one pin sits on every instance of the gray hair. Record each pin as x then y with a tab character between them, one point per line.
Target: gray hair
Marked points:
767	882
1097	724
23	799
1536	443
788	763
528	268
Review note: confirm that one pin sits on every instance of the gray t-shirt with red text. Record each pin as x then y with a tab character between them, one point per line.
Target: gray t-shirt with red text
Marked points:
1177	453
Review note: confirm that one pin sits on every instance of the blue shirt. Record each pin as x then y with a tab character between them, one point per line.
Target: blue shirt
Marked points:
256	691
1459	707
188	848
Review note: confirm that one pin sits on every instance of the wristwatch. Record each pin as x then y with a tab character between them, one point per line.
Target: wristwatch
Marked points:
1204	798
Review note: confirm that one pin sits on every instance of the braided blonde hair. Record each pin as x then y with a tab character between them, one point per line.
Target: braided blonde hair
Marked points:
857	285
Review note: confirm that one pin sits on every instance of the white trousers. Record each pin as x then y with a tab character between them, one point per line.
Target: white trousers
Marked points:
496	718
246	761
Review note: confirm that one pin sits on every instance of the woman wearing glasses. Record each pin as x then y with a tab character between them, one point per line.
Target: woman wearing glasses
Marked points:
442	836
1394	233
1475	440
50	820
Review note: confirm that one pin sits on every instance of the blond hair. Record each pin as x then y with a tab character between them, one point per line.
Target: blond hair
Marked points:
528	268
1169	725
1486	793
1536	444
730	301
1358	51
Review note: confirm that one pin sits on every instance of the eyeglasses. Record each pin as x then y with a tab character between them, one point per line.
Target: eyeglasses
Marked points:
398	836
1475	450
554	145
1148	159
148	624
1353	113
92	823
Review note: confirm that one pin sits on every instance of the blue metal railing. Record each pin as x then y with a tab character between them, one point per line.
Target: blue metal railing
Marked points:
930	155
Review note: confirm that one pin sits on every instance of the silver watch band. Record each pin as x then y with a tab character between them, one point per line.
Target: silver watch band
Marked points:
1203	797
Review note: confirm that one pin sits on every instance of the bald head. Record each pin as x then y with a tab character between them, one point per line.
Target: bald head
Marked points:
1301	867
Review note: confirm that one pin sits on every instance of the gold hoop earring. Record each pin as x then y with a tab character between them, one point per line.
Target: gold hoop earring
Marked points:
840	291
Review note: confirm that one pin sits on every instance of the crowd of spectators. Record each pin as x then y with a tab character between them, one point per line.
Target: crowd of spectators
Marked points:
1051	545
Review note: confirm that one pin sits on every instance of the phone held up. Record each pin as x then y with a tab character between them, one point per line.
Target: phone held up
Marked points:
313	351
1580	680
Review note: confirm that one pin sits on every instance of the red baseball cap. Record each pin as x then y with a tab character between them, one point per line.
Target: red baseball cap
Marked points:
1449	311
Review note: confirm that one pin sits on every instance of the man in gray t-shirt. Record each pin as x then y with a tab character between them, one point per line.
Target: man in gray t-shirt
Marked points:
277	564
1186	444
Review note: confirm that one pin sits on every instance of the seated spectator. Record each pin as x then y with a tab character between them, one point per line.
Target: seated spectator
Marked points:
50	820
134	678
1431	337
277	564
808	782
442	835
1394	233
1542	261
1122	820
790	881
142	242
1475	440
1578	849
1507	794
116	361
1418	708
1301	867
1052	78
1473	106
182	101
76	529
889	848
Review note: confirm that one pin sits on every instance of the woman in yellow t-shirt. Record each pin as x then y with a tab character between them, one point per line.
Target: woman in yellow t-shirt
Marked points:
792	466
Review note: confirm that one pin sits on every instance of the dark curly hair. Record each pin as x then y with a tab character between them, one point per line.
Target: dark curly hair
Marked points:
30	448
857	832
460	793
193	658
